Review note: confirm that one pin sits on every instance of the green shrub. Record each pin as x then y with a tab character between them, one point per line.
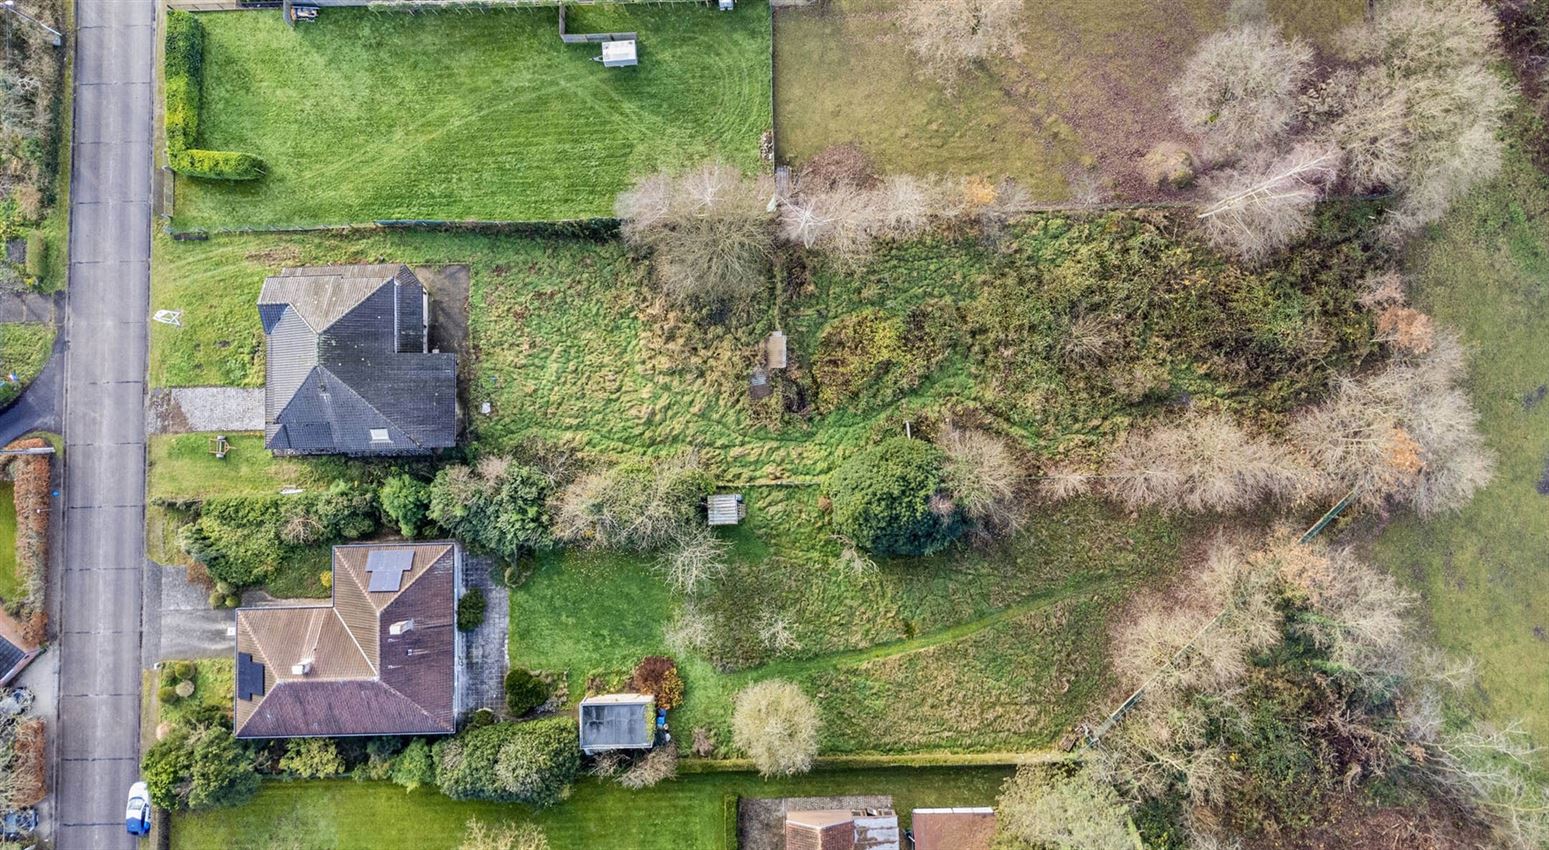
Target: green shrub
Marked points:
887	499
184	669
217	599
524	692
414	766
531	763
183	83
499	507
405	501
243	539
199	769
167	694
216	165
479	719
470	610
312	758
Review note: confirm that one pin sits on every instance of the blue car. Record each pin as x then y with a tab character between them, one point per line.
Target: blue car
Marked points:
137	818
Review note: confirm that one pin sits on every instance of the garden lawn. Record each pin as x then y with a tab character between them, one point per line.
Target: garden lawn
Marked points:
1485	271
368	115
688	813
25	348
10	582
1087	91
213	686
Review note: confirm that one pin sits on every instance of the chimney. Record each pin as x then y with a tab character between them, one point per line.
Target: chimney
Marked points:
400	627
302	667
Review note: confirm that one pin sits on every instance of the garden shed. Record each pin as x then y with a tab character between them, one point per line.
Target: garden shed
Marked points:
726	508
617	722
620	54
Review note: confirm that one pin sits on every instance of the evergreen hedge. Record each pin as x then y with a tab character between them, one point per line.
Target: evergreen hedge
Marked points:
184	80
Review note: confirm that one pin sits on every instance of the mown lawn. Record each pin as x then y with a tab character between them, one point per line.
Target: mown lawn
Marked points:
25	348
368	115
1485	271
1087	91
689	813
10	583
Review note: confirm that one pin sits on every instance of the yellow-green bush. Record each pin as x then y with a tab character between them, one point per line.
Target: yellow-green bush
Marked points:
184	66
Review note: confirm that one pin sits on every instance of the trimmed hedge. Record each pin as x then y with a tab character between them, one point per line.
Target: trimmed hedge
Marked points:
184	67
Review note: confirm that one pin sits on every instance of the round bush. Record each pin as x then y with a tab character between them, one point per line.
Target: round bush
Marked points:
885	499
325	578
217	599
183	669
470	610
524	692
167	694
185	689
233	601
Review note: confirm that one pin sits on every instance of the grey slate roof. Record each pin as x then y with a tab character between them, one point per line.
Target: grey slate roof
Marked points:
346	357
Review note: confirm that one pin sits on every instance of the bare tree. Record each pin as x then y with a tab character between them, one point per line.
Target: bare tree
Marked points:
20	114
1049	807
710	230
983	476
659	764
1256	210
777	726
1420	114
1205	462
698	556
1405	433
1238	93
949	36
511	836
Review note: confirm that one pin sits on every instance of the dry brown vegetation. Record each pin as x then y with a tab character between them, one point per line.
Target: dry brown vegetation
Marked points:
950	36
1263	206
776	724
1239	90
984	477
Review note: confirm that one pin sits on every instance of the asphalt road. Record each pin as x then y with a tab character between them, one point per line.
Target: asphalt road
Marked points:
104	424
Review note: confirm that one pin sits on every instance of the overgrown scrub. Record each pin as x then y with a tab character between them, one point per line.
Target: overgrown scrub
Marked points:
23	766
532	762
184	82
636	506
31	126
244	540
776	724
870	357
498	506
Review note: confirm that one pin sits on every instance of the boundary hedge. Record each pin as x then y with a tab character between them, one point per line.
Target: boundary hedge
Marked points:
32	476
184	81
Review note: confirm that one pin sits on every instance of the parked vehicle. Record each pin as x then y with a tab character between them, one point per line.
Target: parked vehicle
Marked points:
137	817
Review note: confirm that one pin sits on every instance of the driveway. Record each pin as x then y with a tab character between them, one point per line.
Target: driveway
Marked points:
99	589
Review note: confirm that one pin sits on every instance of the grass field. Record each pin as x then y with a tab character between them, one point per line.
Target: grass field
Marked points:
368	115
688	813
1485	271
1084	93
979	650
10	583
25	348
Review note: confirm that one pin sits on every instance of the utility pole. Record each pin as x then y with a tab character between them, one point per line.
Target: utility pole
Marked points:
55	36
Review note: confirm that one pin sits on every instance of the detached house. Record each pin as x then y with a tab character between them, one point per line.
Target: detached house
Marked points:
349	368
380	659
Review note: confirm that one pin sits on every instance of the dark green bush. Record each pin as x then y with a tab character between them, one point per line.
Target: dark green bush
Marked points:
183	83
405	501
886	499
470	610
199	769
167	694
500	507
531	763
524	692
312	758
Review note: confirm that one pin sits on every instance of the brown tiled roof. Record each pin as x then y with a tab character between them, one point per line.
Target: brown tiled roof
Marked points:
361	679
819	831
953	829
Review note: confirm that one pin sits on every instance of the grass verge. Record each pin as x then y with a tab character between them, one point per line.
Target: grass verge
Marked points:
25	348
1485	271
10	582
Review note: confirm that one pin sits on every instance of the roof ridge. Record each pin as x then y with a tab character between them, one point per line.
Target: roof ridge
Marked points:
410	700
446	547
373	663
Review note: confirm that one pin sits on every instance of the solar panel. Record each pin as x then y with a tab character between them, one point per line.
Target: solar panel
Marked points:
250	676
387	567
10	656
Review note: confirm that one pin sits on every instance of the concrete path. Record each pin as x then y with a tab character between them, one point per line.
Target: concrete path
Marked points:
485	649
179	622
104	423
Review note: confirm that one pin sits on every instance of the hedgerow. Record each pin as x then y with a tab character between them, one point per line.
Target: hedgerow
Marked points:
184	84
531	763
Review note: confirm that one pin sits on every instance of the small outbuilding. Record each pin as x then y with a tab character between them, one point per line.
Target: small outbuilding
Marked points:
842	829
620	54
954	829
775	351
617	722
726	508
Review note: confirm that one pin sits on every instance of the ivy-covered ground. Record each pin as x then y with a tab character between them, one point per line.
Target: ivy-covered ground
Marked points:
982	648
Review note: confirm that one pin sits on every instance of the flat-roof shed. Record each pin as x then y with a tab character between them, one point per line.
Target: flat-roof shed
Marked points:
617	722
620	54
725	509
